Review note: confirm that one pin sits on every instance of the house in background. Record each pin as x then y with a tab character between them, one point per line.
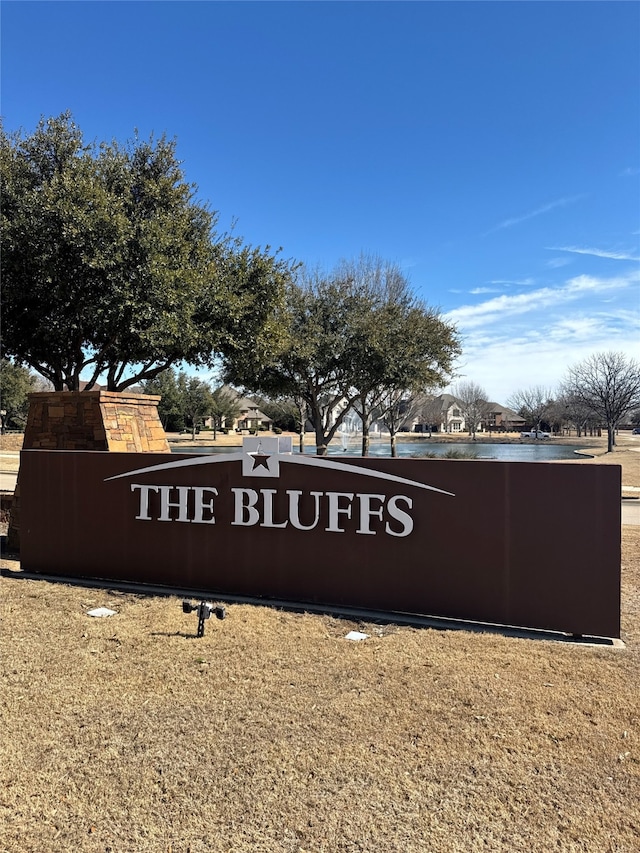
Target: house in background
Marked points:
445	416
250	417
451	417
500	418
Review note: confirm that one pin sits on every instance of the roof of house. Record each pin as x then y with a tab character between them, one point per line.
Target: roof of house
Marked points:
499	409
447	400
245	404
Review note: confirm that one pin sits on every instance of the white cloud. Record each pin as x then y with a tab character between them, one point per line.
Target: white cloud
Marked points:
556	263
518	341
578	328
598	253
506	365
521	281
470	316
409	263
545	208
502	307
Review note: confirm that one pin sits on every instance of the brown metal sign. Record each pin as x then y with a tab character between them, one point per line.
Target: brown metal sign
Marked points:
535	545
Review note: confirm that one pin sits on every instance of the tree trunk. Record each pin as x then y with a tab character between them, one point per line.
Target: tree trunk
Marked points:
321	442
394	449
365	438
365	416
302	419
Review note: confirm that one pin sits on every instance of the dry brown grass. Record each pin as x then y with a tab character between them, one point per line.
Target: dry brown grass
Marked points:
274	734
11	441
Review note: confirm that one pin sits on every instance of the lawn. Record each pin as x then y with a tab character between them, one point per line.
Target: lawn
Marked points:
275	734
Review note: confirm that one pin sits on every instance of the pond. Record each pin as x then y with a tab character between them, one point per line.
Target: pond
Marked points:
540	452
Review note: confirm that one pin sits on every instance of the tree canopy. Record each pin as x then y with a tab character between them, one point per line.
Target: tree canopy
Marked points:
400	346
225	408
170	407
16	383
311	363
352	337
184	400
196	399
111	267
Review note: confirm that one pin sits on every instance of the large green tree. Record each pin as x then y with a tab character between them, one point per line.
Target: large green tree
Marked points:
225	408
111	267
400	347
170	408
195	399
16	383
314	363
352	337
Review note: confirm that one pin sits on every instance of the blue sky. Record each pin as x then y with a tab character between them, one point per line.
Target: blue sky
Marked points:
492	149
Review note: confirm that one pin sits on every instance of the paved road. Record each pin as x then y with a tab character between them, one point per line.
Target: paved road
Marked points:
631	511
7	482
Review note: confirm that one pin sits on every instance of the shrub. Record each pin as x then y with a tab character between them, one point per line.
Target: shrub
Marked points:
460	454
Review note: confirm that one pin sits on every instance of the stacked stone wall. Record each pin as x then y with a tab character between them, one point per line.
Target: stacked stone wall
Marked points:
94	420
88	420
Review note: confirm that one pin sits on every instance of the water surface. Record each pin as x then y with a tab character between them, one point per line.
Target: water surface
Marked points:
544	451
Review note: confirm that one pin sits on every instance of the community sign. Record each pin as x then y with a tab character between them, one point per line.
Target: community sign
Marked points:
534	545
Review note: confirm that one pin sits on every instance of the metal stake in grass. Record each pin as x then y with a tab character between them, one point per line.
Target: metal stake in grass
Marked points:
204	611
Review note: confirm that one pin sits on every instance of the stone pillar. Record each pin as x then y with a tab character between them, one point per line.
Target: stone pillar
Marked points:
118	422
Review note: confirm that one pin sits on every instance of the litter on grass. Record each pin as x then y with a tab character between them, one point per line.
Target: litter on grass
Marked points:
101	611
356	635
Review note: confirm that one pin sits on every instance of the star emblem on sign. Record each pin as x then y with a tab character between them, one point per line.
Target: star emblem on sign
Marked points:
260	460
261	456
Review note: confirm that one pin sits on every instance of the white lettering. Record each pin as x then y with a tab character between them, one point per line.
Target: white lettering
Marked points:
400	515
143	514
335	510
374	514
200	505
294	509
180	505
367	511
245	513
267	497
